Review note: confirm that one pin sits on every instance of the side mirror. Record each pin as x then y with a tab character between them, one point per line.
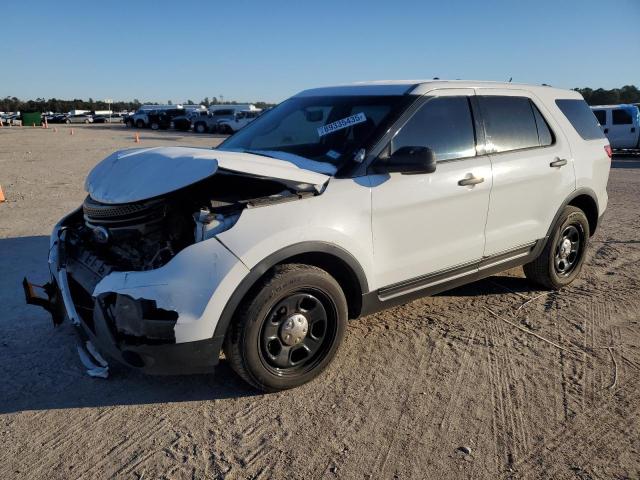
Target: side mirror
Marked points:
411	160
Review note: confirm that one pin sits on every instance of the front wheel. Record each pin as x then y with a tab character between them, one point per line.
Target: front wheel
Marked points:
289	329
563	256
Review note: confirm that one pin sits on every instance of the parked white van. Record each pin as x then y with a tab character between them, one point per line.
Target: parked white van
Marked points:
337	203
621	125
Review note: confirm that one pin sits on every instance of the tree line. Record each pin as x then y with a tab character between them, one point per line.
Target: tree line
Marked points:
600	96
14	104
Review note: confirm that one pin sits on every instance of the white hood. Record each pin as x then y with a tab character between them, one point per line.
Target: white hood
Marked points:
141	173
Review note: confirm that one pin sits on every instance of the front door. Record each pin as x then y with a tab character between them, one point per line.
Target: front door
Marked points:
428	223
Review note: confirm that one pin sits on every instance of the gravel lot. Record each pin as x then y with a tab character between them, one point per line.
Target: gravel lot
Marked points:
409	388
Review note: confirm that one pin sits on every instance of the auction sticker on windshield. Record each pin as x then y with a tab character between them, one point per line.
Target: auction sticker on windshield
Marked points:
342	124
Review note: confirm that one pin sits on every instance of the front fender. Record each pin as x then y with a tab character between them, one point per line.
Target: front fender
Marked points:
196	284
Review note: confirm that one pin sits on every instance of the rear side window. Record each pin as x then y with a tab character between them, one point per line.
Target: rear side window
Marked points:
545	136
510	123
443	124
581	117
620	116
601	115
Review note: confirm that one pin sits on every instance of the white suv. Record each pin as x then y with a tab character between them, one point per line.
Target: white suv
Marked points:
337	203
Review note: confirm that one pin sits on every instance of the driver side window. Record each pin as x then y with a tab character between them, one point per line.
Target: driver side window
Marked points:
444	124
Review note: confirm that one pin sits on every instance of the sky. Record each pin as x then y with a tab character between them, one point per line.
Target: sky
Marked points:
269	50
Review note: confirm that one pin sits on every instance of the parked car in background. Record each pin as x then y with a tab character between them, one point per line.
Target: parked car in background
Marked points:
12	119
240	119
162	119
621	125
78	118
56	118
140	119
209	121
339	202
113	118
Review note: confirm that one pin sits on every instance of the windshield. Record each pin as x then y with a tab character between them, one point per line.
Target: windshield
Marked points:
325	129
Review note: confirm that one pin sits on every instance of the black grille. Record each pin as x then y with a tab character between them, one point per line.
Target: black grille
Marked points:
98	210
96	213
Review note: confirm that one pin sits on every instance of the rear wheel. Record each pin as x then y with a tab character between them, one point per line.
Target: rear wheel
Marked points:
140	123
200	127
289	330
563	256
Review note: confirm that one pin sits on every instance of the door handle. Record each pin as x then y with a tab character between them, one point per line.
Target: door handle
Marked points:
465	182
558	162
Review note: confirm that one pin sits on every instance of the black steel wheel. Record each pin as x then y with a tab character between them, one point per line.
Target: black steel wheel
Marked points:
289	329
563	256
297	332
567	250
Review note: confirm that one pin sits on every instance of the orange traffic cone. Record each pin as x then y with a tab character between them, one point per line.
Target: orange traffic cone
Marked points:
46	124
71	132
2	199
137	138
55	130
34	125
1	125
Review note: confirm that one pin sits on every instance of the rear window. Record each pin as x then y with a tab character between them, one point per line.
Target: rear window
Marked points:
620	116
581	117
601	115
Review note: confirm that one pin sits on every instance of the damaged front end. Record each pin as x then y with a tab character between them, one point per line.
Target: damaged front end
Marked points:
138	277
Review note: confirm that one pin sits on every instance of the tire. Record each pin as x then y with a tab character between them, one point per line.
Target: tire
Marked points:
200	128
261	346
86	122
155	126
67	121
554	268
140	123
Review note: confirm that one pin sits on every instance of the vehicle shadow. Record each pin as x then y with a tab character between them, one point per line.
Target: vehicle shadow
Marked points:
39	364
494	285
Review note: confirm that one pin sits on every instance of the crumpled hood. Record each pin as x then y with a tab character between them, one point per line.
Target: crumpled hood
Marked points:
141	173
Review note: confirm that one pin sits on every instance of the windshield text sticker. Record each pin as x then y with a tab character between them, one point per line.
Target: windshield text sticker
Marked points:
342	124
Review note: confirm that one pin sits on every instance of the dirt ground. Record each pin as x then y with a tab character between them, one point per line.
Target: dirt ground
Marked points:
534	384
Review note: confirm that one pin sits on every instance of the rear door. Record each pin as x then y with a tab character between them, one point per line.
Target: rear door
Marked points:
532	168
622	131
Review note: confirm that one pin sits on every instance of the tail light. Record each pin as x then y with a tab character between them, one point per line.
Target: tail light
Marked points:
607	148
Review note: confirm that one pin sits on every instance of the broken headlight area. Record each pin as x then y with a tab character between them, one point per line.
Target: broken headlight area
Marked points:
147	234
134	321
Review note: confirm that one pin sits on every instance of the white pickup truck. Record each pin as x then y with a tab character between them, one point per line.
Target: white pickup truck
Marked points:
621	125
239	120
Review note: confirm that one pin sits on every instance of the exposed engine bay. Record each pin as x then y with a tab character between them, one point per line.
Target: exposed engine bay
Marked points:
145	235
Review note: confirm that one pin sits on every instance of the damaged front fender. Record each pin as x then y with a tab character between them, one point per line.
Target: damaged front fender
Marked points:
194	284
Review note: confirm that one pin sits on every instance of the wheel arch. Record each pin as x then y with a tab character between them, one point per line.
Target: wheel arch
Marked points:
335	260
586	200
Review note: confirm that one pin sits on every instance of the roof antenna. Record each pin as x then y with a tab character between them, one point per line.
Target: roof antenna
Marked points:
510	78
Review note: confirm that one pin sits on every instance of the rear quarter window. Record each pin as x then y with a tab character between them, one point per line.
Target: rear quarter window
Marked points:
581	117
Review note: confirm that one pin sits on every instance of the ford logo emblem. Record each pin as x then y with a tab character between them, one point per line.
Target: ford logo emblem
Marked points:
101	235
